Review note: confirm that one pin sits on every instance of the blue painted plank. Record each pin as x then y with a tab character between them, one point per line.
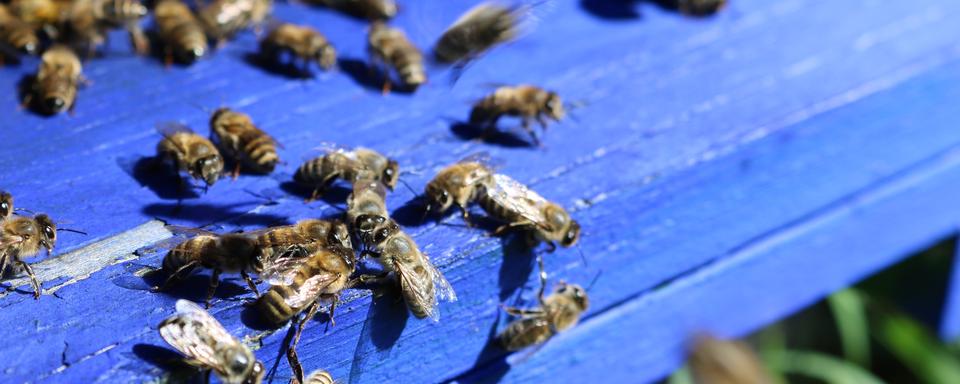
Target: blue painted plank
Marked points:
694	115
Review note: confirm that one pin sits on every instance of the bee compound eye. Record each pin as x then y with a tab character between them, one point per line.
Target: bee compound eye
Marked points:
55	104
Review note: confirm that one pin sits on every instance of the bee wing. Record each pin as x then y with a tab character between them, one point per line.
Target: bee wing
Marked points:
518	197
282	270
189	231
310	289
196	334
170	128
443	288
483	157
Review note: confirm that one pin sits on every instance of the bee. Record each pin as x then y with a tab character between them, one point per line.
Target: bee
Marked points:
458	184
474	33
299	41
521	208
353	165
37	13
207	345
299	284
6	206
368	198
88	21
223	19
16	33
389	47
525	101
370	9
715	361
56	82
190	152
556	313
421	284
237	137
231	253
700	7
319	377
22	237
302	238
180	30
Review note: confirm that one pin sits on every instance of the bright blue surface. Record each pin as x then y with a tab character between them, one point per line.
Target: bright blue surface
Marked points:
726	171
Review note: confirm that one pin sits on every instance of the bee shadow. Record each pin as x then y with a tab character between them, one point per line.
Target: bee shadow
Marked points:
411	213
158	177
368	77
491	364
467	131
287	69
169	361
194	287
386	318
24	89
202	214
335	194
518	263
618	10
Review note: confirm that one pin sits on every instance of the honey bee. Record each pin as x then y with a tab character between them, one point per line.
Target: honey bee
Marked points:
556	313
302	238
299	284
299	41
715	361
368	198
237	137
190	152
231	253
223	19
700	7
22	237
474	33
87	22
208	346
319	377
55	86
180	30
390	48
458	184
421	284
16	33
38	13
521	208
353	165
370	9
6	206
525	101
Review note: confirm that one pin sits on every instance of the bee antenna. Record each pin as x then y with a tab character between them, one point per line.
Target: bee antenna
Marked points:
71	230
582	256
408	187
201	108
270	200
594	281
24	210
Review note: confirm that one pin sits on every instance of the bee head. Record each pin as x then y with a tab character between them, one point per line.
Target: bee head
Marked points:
240	365
572	234
576	293
48	231
54	104
340	235
366	225
30	47
256	374
208	168
217	114
391	174
6	204
554	106
326	56
193	54
438	197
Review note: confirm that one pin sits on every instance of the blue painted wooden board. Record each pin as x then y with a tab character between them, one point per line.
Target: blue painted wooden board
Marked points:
726	171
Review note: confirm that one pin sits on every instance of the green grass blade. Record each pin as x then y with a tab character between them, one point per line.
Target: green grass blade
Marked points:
917	349
849	314
826	368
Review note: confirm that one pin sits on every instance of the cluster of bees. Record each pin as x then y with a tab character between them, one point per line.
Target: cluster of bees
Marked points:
309	263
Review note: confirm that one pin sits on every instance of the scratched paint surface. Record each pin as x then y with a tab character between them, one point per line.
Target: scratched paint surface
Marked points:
696	138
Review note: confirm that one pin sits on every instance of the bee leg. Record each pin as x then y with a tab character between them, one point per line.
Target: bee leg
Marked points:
185	269
214	283
529	129
387	84
167	57
522	312
506	227
138	39
333	307
466	216
253	287
33	279
543	281
292	357
236	171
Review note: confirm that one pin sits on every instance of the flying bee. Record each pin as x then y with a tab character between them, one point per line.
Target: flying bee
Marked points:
477	31
16	33
230	253
700	7
190	152
22	237
521	208
319	377
237	137
87	22
525	101
353	165
556	313
299	284
208	346
55	86
180	30
299	41
222	19
458	184
421	284
368	198
6	206
389	47
715	361
302	238
369	9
